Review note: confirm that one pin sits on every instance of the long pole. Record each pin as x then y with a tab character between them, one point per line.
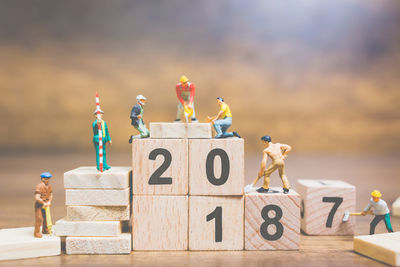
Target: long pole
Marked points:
100	132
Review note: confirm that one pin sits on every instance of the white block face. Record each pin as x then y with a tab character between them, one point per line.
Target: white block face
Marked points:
199	130
160	222
272	220
87	228
96	197
91	178
165	130
160	167
19	243
324	203
216	167
396	208
99	245
98	213
216	223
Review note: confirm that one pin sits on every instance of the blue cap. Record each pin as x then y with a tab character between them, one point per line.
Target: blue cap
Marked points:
266	138
220	98
46	175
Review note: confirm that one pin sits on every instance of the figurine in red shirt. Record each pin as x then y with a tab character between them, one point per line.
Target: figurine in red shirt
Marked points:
185	93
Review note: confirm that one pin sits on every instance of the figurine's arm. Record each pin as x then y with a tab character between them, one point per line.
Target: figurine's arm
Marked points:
192	92
50	199
218	115
135	112
262	167
179	94
367	209
38	199
108	137
285	150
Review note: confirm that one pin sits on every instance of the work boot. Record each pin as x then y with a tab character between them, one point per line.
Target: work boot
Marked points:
236	134
130	139
194	120
262	190
177	120
37	234
285	190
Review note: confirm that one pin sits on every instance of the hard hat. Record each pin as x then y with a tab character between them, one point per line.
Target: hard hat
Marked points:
376	193
183	79
140	97
46	175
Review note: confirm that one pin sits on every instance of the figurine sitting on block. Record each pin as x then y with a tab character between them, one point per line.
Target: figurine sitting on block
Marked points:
278	153
223	120
185	93
380	210
43	198
137	119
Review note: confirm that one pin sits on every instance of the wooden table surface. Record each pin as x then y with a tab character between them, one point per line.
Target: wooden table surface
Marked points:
20	173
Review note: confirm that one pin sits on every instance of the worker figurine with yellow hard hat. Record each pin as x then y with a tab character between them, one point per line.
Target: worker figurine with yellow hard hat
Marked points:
185	92
380	210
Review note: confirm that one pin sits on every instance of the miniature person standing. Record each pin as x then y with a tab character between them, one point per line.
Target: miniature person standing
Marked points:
137	119
105	138
43	198
380	210
185	92
278	153
223	120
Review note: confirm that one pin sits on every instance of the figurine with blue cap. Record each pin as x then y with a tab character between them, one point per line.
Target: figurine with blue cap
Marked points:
223	120
43	198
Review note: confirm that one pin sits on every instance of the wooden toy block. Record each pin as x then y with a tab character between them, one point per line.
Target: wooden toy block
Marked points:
216	223
216	167
324	203
87	228
95	197
98	245
160	222
381	247
160	167
97	213
19	243
272	220
91	178
164	130
396	207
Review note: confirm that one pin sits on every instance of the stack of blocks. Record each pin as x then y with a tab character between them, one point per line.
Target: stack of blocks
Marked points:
96	204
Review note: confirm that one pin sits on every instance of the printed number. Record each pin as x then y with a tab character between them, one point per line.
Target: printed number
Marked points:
225	166
156	178
275	221
337	201
217	215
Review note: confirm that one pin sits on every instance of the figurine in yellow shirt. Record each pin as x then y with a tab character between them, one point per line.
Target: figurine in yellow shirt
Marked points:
223	120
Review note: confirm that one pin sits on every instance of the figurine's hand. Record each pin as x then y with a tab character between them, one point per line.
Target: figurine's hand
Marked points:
284	156
190	106
110	142
139	116
46	204
248	188
363	213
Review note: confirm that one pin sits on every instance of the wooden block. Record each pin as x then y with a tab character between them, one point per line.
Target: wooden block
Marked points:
87	228
91	178
381	247
99	245
19	243
97	213
160	167
324	203
216	167
272	220
160	222
180	130
396	207
96	197
216	223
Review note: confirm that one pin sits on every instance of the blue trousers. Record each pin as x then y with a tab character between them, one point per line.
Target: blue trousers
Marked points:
379	218
221	127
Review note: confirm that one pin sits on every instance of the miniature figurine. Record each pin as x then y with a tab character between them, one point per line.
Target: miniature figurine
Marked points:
278	153
137	120
43	198
380	210
185	92
223	120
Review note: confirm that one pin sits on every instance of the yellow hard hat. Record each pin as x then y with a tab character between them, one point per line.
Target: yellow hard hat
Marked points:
376	193
183	79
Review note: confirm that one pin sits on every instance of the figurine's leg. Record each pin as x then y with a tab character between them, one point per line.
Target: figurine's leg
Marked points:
388	224
373	223
226	123
144	132
267	175
218	129
180	112
105	165
38	220
96	147
45	230
194	113
283	176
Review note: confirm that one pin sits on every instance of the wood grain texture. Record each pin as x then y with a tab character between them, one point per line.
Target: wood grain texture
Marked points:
160	222
19	243
316	211
91	178
97	197
290	220
396	208
202	232
99	245
143	167
98	213
180	130
199	149
87	228
381	247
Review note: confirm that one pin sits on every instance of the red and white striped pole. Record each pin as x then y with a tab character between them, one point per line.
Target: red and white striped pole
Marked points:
100	132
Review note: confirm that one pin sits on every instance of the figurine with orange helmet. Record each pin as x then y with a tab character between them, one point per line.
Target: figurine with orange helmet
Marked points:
185	91
380	210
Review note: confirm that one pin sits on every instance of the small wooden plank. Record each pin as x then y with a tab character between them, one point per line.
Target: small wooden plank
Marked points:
223	231
99	245
396	207
283	230
160	222
96	197
19	243
381	247
318	201
216	167
199	130
87	228
168	158
164	130
98	213
91	178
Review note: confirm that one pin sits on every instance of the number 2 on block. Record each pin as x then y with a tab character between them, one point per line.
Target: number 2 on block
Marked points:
156	178
217	215
337	201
